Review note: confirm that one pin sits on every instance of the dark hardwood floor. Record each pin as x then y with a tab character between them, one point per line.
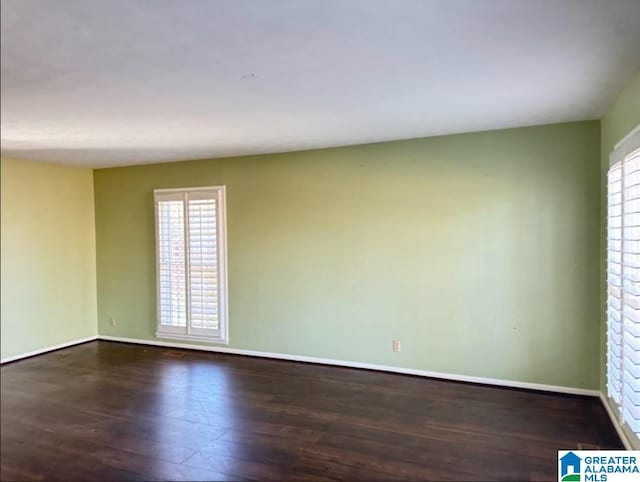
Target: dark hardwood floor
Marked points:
110	411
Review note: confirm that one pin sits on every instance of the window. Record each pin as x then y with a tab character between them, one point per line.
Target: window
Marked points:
191	263
623	279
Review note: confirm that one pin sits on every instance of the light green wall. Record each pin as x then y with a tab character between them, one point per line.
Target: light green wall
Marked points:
48	268
475	251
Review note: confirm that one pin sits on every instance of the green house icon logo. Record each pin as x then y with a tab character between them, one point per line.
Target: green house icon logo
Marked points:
570	467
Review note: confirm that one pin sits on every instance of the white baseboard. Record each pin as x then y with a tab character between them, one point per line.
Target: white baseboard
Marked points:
48	348
366	366
616	422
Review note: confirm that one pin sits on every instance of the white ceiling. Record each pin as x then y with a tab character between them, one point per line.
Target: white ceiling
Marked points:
115	82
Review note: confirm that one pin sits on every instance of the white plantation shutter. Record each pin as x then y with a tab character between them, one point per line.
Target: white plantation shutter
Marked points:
191	256
203	273
171	263
623	279
614	279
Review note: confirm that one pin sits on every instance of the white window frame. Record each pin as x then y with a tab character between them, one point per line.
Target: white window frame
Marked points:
221	335
629	144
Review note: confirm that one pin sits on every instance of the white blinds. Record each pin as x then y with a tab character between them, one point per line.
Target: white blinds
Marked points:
623	278
190	257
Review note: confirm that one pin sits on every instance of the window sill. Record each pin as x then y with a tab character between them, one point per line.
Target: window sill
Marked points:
200	338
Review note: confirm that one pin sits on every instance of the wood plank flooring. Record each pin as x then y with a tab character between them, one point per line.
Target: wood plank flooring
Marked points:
111	411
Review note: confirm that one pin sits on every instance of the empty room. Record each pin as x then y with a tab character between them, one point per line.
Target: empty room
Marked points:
320	240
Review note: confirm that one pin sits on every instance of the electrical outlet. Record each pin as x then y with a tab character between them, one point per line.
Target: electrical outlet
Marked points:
396	345
113	321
